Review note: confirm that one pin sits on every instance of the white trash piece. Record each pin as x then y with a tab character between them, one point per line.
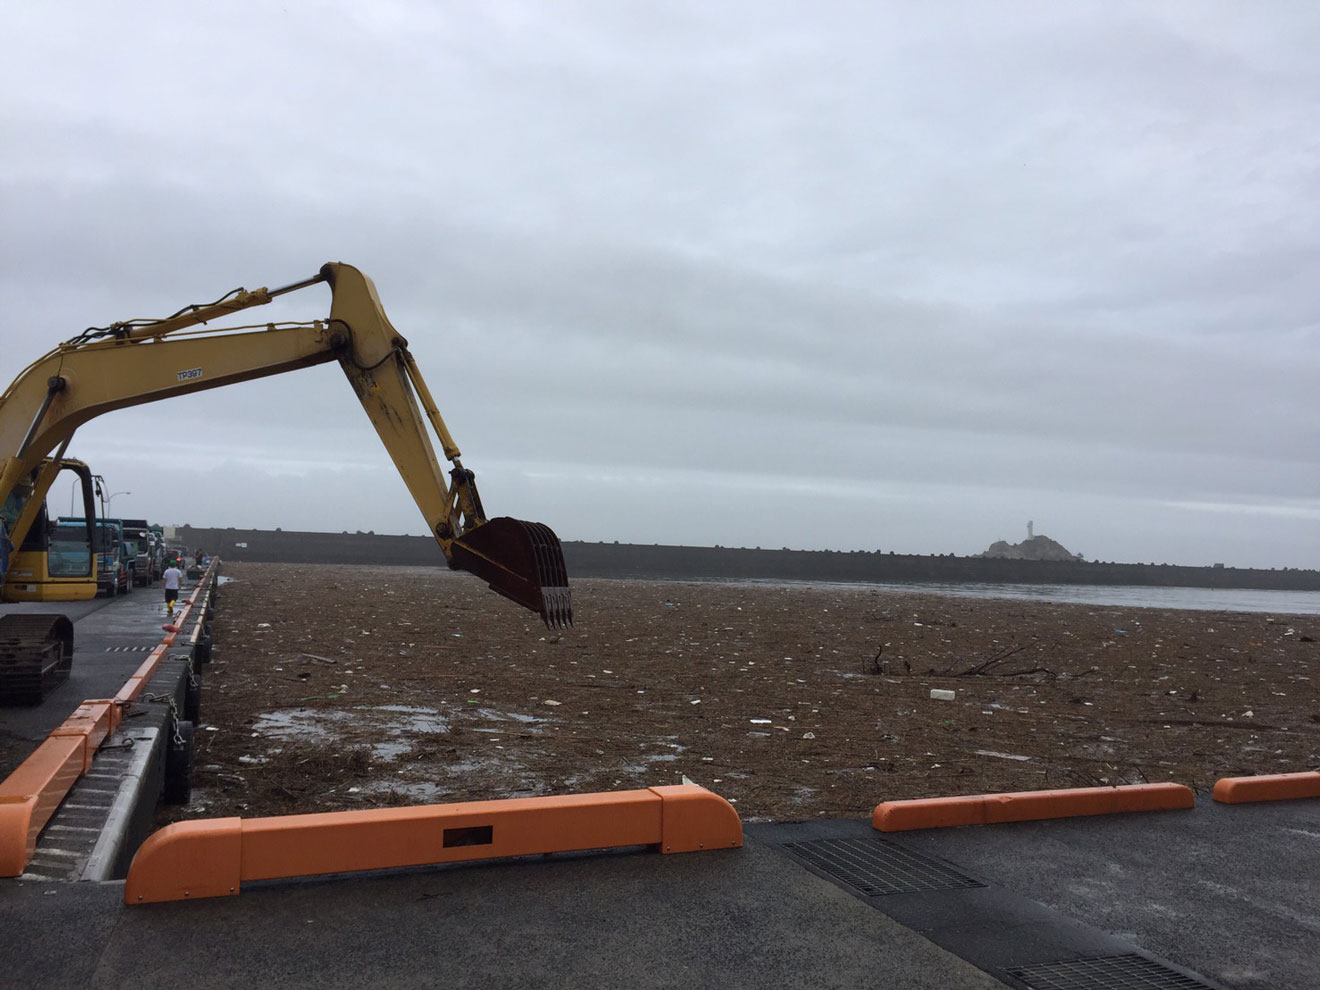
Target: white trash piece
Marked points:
937	695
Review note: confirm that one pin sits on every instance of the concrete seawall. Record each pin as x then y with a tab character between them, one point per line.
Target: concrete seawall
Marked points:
624	560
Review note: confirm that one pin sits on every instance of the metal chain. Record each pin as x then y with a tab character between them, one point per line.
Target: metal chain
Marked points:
169	699
187	658
174	713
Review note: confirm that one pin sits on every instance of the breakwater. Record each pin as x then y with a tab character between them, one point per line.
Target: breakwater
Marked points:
630	560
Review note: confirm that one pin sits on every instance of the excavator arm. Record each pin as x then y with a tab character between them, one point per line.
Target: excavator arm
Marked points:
131	363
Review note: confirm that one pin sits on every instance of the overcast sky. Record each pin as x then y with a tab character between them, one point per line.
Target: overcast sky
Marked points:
816	275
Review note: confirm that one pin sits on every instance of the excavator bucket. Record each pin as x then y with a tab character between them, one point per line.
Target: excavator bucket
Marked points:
521	560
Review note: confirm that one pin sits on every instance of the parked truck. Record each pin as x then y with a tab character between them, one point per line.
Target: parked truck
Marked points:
147	556
114	554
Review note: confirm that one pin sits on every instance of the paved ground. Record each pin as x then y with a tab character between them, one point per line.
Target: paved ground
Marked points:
1232	891
716	919
112	636
1225	893
1207	890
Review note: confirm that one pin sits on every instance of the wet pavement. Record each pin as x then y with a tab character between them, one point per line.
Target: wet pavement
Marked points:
1202	896
112	637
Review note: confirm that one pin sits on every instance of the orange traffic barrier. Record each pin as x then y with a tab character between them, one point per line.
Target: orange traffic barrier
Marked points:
134	685
30	795
1268	787
214	857
1024	806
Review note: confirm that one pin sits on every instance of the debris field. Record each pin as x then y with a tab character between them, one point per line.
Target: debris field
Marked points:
338	687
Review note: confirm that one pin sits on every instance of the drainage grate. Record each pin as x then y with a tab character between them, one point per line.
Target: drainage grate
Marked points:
129	649
1130	972
875	866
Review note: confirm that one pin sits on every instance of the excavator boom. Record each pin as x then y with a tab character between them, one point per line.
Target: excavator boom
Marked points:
130	363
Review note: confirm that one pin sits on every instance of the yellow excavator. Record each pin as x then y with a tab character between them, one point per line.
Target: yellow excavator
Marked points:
138	361
50	563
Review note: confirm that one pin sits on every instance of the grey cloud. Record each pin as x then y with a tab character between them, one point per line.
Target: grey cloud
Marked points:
945	267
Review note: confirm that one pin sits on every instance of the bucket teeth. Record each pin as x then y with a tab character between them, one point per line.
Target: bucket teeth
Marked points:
557	601
558	610
523	561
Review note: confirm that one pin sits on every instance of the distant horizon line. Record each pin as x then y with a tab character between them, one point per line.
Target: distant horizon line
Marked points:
752	549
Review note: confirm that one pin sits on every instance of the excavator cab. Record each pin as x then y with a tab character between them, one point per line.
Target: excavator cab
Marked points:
49	562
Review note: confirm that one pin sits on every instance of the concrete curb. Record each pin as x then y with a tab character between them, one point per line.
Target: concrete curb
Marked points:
1022	806
1268	787
103	863
214	857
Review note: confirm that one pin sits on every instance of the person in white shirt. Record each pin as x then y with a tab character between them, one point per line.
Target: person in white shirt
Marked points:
173	577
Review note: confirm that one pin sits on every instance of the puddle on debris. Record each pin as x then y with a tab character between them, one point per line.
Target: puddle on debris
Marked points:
426	792
390	751
647	760
419	719
392	732
494	716
297	723
446	779
393	728
319	724
644	765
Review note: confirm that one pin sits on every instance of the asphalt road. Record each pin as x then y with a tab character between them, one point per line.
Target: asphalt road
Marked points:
112	636
1224	895
1231	891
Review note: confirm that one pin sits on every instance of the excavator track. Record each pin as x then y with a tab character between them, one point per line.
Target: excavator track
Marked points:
36	654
